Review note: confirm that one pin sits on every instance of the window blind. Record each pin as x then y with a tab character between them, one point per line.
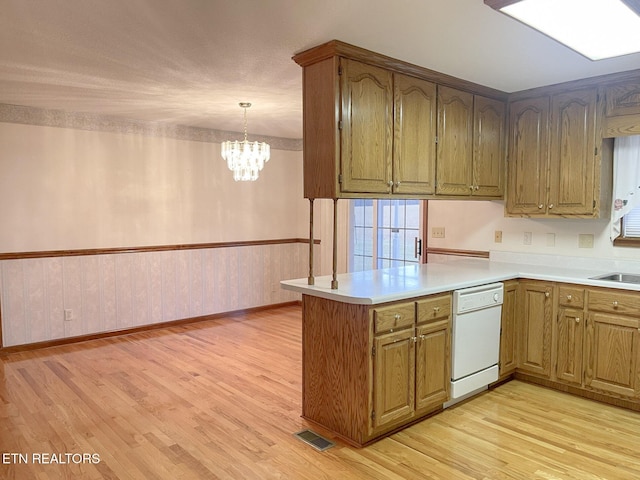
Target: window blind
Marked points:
631	223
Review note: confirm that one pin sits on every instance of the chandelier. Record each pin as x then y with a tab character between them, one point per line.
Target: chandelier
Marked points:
245	159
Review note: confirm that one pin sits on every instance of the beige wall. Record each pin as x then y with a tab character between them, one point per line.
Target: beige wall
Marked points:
470	225
62	188
68	188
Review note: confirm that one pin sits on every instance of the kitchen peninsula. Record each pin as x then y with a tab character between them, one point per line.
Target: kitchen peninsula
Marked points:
354	389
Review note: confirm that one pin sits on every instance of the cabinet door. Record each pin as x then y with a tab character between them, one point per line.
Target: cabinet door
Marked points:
455	140
613	344
508	343
569	345
623	99
488	146
367	127
572	154
536	310
414	145
393	378
528	156
433	375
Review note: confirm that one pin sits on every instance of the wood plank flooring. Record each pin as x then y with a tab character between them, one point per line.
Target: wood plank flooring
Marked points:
221	400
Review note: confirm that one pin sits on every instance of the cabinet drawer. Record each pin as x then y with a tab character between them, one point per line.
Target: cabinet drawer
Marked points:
434	308
388	319
615	302
571	297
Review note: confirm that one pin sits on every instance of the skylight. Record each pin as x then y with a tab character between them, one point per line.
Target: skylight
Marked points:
597	29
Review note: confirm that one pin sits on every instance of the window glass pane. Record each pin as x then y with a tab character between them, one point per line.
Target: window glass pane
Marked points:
358	240
413	214
389	238
368	241
384	242
410	244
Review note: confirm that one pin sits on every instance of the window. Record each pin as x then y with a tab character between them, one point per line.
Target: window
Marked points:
631	224
629	230
384	233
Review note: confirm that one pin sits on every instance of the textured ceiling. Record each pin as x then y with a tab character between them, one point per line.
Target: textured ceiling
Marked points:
190	62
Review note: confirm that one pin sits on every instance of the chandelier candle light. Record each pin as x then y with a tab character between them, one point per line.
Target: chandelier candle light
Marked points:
245	158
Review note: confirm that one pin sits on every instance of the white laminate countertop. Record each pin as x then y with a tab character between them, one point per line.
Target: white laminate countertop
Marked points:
387	285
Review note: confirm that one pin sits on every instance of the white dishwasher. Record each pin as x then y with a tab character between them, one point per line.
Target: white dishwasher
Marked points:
475	340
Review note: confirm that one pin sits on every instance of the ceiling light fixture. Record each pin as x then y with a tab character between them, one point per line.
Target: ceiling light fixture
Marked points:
245	159
597	29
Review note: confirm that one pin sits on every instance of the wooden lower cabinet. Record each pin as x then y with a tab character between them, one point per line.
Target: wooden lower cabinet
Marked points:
370	370
613	343
411	367
394	378
569	345
508	337
595	339
569	334
433	369
535	310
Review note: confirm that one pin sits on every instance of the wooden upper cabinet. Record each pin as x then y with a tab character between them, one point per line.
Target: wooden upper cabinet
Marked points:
572	154
367	127
371	124
488	146
554	166
454	172
470	144
528	154
622	111
623	99
414	151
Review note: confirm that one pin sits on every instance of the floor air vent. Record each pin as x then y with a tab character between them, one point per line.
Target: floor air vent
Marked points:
316	441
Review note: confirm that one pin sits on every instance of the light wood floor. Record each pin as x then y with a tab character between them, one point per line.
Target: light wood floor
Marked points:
221	399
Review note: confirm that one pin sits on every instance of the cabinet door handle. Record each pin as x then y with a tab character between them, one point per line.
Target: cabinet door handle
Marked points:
577	319
547	294
436	309
550	206
615	304
415	339
390	183
540	206
422	337
569	298
476	188
397	316
397	184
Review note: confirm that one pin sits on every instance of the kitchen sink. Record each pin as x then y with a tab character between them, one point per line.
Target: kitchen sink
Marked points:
619	277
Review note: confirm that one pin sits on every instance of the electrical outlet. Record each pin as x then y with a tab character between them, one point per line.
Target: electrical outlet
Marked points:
68	314
437	232
528	236
585	240
498	236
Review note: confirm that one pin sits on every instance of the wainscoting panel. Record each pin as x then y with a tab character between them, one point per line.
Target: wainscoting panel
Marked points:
116	291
